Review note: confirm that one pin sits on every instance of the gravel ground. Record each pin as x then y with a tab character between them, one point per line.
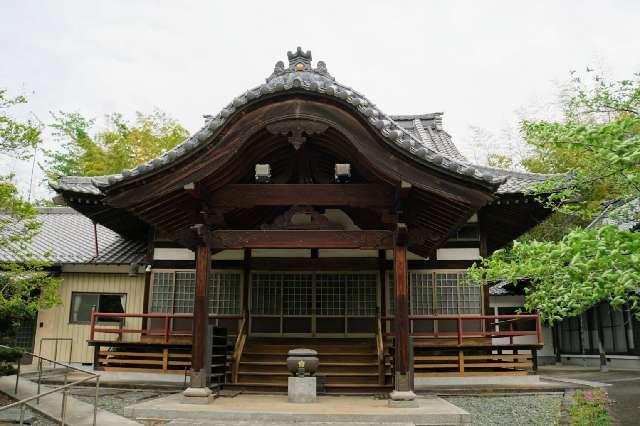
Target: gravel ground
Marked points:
114	400
37	419
531	409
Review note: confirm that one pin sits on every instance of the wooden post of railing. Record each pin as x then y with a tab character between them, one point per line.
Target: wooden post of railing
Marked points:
93	323
120	327
166	328
459	329
539	330
511	332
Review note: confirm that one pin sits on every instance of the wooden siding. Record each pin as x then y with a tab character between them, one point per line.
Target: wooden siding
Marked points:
54	322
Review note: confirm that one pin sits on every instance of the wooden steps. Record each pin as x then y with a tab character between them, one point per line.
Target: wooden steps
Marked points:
346	365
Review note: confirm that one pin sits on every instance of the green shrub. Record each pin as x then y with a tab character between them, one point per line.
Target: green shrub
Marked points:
10	354
590	408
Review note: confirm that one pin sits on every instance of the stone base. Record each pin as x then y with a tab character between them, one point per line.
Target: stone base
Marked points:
197	396
402	399
302	389
403	404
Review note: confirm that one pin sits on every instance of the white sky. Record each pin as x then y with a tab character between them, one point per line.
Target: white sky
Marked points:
478	61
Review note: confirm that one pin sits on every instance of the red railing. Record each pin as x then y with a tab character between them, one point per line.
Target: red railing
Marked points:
495	326
167	329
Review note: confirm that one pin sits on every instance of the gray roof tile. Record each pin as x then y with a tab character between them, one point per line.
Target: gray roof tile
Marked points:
67	236
420	135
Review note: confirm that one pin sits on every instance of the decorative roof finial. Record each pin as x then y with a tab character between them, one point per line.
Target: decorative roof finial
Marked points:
299	60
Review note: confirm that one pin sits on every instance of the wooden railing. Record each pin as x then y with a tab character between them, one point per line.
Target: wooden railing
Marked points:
241	339
494	326
380	349
166	331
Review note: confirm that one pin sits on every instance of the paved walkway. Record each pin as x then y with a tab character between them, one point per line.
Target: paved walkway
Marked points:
623	387
78	413
246	409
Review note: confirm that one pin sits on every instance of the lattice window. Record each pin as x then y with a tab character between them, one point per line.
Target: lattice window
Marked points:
454	297
266	293
185	288
421	296
391	300
224	293
361	291
297	294
162	291
330	295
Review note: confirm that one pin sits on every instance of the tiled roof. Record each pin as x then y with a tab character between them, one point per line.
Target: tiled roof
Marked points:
301	76
515	182
428	129
625	215
422	135
67	236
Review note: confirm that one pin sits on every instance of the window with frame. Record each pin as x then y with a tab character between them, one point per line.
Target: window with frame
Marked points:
83	303
224	293
174	292
438	293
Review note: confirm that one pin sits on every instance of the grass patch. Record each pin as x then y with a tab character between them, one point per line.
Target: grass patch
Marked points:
590	408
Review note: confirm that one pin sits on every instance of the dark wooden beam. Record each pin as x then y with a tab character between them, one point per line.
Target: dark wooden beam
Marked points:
251	195
402	381
224	239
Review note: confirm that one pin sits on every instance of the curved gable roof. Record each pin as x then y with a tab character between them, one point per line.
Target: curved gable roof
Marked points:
422	143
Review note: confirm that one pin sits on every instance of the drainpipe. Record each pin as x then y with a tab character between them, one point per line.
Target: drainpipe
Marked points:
95	237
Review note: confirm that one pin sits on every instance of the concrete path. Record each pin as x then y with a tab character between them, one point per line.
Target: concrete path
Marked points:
253	410
623	387
78	413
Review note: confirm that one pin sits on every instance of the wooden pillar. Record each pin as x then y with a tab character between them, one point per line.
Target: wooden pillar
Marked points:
402	368
200	317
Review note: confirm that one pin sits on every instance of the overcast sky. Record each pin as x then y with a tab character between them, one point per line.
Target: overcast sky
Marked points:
480	62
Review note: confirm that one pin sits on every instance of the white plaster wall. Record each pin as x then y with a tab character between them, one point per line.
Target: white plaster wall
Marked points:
458	254
162	253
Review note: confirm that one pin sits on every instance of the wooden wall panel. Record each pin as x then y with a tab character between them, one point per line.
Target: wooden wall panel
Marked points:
55	321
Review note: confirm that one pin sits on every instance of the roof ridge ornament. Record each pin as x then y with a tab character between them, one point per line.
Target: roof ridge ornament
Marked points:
299	61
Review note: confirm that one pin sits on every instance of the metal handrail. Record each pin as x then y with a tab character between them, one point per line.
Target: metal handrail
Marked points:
64	388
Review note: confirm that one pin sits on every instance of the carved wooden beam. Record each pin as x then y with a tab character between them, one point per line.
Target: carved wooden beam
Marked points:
295	129
238	239
352	195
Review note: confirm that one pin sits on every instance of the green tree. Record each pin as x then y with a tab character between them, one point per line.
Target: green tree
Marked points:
596	147
120	145
25	284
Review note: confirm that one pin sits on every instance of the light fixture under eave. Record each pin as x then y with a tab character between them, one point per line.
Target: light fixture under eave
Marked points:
343	173
263	173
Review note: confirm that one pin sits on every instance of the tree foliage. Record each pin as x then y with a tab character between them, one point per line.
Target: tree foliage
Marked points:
569	276
119	146
17	138
596	148
25	284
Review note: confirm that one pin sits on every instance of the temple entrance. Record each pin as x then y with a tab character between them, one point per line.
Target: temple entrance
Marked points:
309	304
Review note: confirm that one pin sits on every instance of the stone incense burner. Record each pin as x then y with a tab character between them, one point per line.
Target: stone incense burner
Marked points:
302	361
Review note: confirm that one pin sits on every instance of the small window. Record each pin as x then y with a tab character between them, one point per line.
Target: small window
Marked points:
83	303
